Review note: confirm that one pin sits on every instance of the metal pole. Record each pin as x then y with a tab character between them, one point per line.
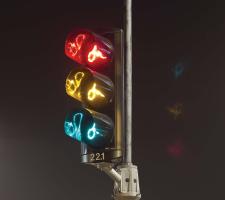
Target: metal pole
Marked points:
128	64
127	181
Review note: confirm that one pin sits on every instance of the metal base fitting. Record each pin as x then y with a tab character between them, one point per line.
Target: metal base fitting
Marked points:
126	181
128	188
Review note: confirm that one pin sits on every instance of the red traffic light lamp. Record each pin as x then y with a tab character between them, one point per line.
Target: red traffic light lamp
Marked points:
88	48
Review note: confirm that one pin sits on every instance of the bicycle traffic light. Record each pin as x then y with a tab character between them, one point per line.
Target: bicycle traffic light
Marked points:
97	82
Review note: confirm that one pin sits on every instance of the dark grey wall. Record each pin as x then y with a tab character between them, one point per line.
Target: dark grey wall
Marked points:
179	157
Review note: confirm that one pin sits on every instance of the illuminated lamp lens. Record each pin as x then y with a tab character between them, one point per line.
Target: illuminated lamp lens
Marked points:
89	127
99	54
76	43
99	92
76	121
76	81
99	134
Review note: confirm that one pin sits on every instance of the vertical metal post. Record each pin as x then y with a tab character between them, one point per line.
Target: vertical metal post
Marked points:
128	76
126	184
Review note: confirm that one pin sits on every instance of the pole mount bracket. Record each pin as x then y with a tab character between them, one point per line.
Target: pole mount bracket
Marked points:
128	188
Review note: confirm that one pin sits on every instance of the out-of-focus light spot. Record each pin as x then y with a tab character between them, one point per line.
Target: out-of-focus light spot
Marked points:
92	132
73	129
176	110
93	93
176	149
95	54
178	70
73	85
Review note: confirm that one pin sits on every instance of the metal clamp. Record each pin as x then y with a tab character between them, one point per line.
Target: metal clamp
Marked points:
128	188
126	181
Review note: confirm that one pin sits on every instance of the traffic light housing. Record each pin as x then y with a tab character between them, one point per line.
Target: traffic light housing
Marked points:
97	81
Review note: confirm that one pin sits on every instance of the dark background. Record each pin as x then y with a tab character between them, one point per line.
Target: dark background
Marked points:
179	158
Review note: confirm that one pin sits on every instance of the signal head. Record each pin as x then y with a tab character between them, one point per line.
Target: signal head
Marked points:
89	127
93	89
89	49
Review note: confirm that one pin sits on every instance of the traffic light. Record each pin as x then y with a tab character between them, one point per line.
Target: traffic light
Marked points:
96	81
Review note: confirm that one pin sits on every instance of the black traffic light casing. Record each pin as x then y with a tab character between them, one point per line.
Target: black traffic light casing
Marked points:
99	124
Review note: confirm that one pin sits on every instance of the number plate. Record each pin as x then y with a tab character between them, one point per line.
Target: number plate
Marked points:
102	156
